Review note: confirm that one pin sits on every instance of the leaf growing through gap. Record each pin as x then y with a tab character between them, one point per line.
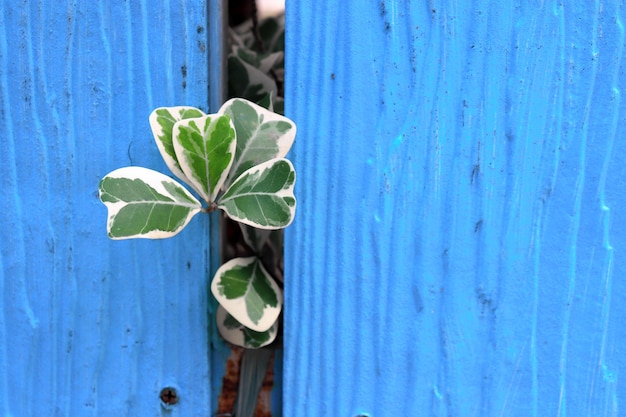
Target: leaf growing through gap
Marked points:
247	81
248	293
261	135
205	147
262	196
143	203
162	121
237	334
254	237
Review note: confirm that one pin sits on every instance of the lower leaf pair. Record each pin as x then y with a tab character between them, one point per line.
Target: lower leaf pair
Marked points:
251	299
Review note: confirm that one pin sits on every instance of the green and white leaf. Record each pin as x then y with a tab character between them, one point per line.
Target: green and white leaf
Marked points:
272	31
248	293
237	334
162	122
205	148
261	135
254	237
273	104
263	62
273	249
270	61
266	102
262	196
143	203
246	54
246	80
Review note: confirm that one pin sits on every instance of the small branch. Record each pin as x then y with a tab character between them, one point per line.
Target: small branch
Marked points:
211	207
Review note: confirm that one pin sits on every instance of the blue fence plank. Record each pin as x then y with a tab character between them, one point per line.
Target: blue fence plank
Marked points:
458	248
88	326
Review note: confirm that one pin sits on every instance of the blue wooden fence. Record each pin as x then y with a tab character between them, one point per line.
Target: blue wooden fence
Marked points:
88	326
460	245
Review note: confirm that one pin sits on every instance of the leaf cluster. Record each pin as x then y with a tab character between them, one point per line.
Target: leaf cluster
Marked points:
233	161
256	62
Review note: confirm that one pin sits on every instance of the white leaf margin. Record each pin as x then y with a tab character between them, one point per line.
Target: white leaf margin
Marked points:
236	336
285	192
190	174
284	143
256	78
157	131
254	237
155	180
270	61
236	307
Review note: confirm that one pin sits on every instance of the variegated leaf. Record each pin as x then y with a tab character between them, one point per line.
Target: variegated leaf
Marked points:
248	293
262	196
205	148
254	237
239	335
162	122
261	135
143	203
247	81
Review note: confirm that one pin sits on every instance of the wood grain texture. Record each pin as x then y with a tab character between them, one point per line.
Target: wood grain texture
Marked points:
459	245
89	326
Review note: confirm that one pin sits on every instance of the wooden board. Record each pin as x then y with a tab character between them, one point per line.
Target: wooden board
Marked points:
459	245
88	326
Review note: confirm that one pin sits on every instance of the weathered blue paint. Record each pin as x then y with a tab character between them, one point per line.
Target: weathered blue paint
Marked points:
459	246
88	326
